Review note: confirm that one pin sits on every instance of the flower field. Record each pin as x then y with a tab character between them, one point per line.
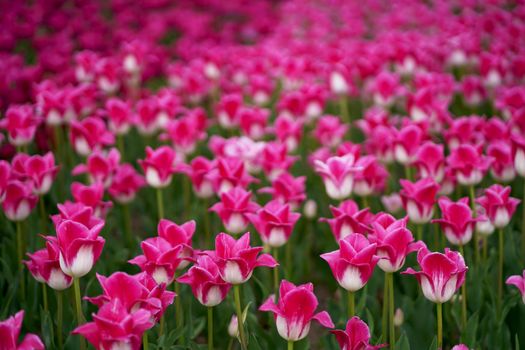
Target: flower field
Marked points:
265	174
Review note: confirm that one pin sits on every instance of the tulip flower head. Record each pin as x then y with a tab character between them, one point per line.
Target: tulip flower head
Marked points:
356	336
457	222
295	310
10	331
498	205
519	282
18	201
348	219
338	175
469	164
44	265
233	209
159	166
419	199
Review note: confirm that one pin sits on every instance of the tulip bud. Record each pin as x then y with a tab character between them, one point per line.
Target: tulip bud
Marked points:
233	327
399	317
310	209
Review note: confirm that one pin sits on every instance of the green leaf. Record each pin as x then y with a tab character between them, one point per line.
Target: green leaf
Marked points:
402	343
469	335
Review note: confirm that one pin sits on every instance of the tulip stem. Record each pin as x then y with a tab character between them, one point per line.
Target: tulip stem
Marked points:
160	203
408	172
290	345
419	232
60	316
365	203
240	323
392	336
207	226
145	341
523	220
120	146
476	238
343	106
384	320
78	305
500	269
43	215
210	328
20	250
161	326
127	225
276	272
44	297
288	252
351	304
178	307
439	325
463	297
186	194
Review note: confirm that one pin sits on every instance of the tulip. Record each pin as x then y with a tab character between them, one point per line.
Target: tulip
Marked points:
440	277
295	311
147	116
227	110
76	212
457	222
348	219
338	175
407	144
10	331
91	196
518	151
468	164
392	203
159	166
371	179
233	209
430	161
330	131
352	264
120	116
20	123
288	131
197	171
519	282
18	201
5	174
418	200
88	135
229	173
125	184
275	160
186	131
44	265
287	189
100	167
40	170
460	347
502	167
356	336
252	121
114	327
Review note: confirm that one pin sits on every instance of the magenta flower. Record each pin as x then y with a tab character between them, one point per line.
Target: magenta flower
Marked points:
10	332
89	134
206	282
44	265
134	292
295	310
330	131
79	247
274	222
457	222
147	116
252	121
518	151
19	200
5	175
178	235
348	219
184	132
499	206
502	167
371	178
233	208
392	202
419	199
356	336
275	160
20	123
40	170
441	274
76	212
197	171
394	241
338	175
288	131
430	161
468	163
125	184
353	263
229	173
519	282
115	327
100	167
91	196
236	259
120	116
227	110
407	143
159	166
287	189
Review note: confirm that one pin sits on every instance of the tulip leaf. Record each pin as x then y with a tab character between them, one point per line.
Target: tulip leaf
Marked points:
469	335
402	343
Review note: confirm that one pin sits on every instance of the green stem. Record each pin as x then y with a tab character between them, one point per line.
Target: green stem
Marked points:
408	172
463	297
288	252
207	226
44	297
365	203
127	225
160	203
419	232
523	220
20	250
210	328
392	336
161	326
384	320
78	305
43	215
343	106
240	323
500	269
60	316
290	345
473	208
351	304
120	146
187	193
178	307
439	325
276	272
145	341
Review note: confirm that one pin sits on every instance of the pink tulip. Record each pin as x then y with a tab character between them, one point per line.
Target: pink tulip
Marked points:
178	235
372	177
295	310
229	173
236	259
352	265
114	327
348	219
288	131
40	170
76	212
252	121
518	151
100	167
274	222
5	174
392	202
10	332
275	160
233	208
206	282
519	282
89	134
330	131
20	123
468	163
227	110
91	196
287	189
120	116
460	347
499	206
394	241
135	292
197	171
464	130
147	116
186	131
419	199
430	161
125	184
457	222
338	175
502	167
159	166
407	143
44	265
356	336
79	247
441	274
19	200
